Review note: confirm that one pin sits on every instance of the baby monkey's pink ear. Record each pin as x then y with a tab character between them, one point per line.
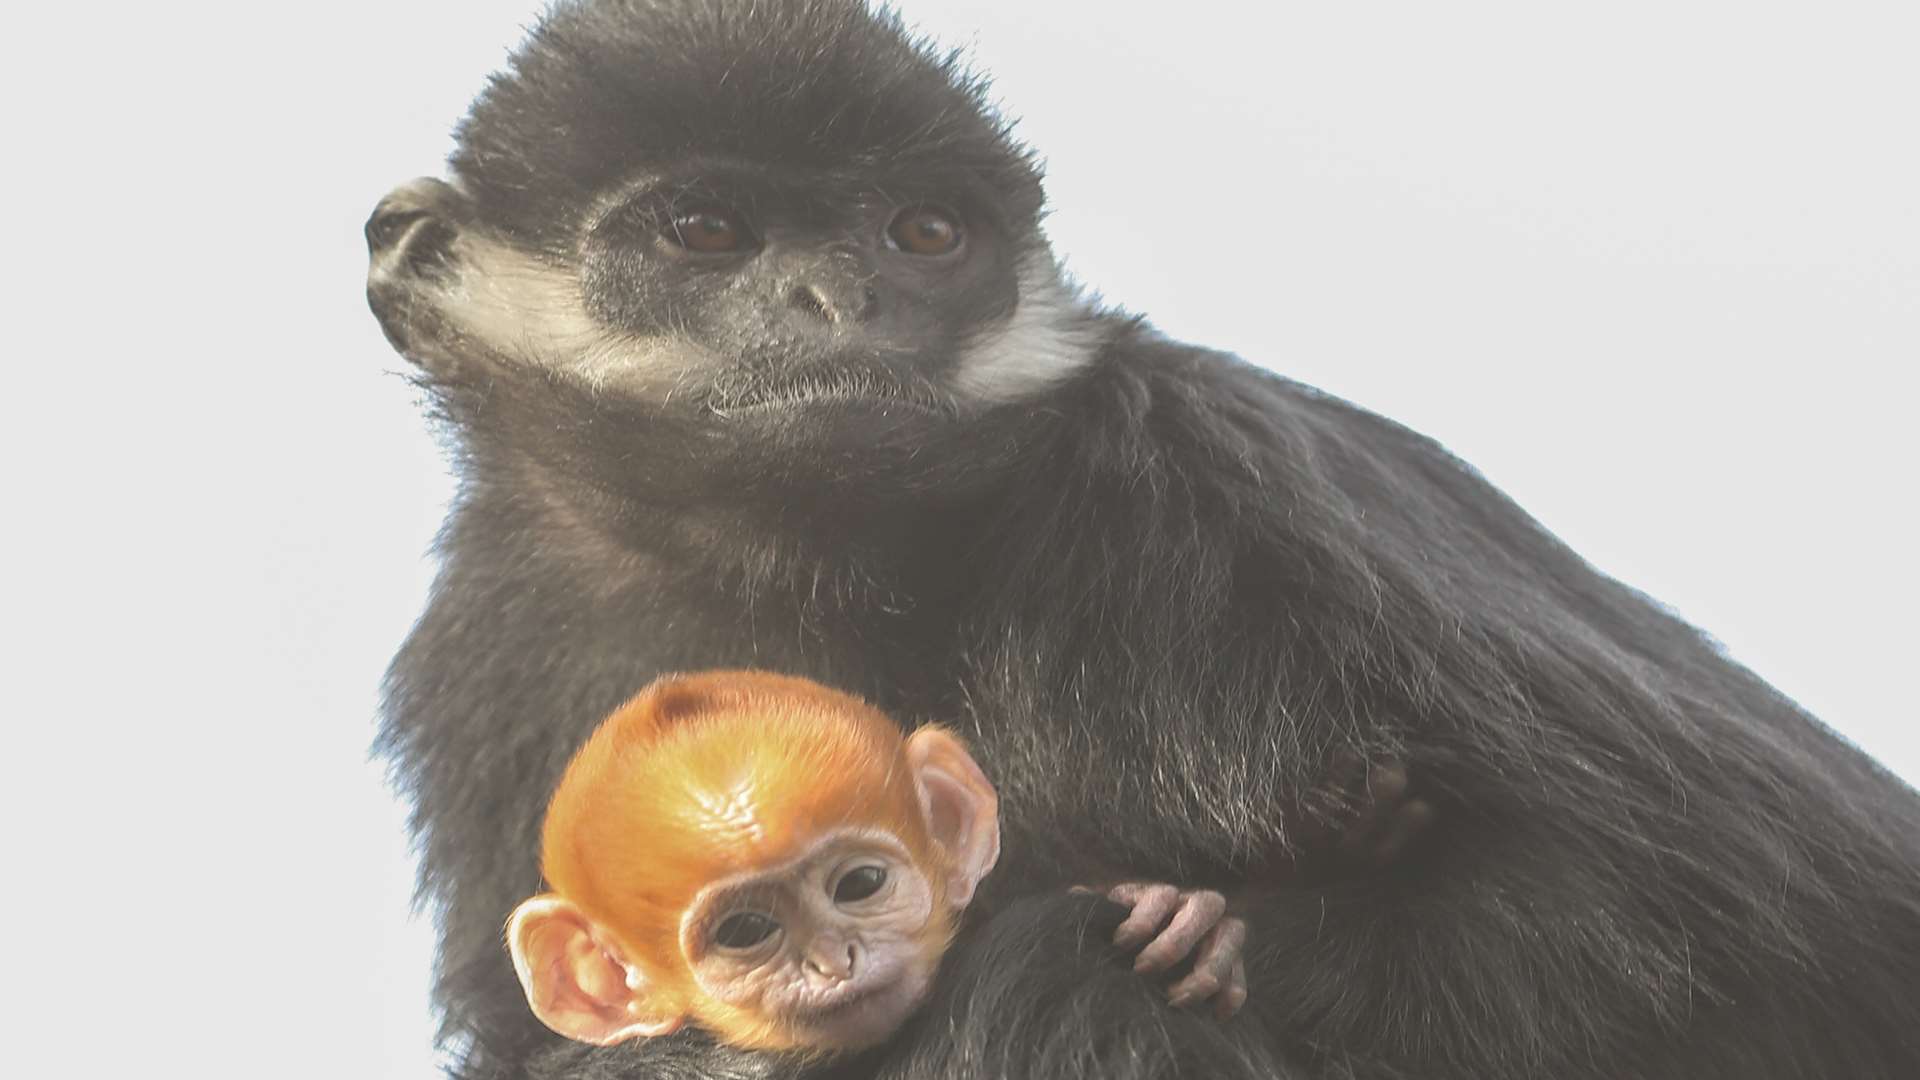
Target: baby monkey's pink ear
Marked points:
962	809
577	981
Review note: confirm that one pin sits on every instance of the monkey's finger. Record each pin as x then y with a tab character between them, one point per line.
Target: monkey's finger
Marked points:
1386	783
1401	829
1378	806
1199	912
1152	906
1330	800
1213	965
1380	791
1228	1001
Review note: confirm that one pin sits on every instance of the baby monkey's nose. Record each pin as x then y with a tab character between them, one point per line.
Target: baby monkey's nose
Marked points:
833	960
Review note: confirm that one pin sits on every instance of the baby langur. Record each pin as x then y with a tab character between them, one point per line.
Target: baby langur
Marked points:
770	860
759	855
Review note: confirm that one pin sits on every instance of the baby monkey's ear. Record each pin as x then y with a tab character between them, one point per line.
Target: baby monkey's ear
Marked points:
576	979
962	811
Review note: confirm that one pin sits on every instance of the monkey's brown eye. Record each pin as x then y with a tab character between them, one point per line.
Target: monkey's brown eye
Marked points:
707	230
743	930
859	884
923	230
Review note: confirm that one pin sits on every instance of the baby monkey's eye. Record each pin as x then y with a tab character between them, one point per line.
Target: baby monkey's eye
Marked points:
709	230
925	230
743	930
859	884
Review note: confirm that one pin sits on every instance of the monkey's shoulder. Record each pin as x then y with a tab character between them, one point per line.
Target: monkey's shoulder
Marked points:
1213	419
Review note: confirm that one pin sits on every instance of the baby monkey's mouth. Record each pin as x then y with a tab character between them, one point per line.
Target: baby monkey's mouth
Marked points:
842	1004
862	1017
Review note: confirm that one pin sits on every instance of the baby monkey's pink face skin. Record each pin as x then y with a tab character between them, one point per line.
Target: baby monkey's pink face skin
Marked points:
838	946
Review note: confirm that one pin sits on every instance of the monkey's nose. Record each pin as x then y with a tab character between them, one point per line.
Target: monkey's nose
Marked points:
833	961
835	301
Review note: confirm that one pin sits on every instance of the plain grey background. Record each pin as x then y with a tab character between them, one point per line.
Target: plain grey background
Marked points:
1653	267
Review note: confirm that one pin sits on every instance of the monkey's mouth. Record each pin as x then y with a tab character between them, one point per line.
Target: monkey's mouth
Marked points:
821	399
867	386
841	1007
861	1018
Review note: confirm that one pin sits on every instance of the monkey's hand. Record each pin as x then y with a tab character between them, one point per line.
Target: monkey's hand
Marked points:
1363	818
1170	924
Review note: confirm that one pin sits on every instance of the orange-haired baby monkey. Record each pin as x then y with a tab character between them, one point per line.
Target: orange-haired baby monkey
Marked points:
760	855
772	860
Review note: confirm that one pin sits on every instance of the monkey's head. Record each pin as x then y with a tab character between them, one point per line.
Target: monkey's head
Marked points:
757	853
719	240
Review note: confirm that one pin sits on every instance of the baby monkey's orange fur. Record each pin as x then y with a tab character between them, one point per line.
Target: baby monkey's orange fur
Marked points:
716	808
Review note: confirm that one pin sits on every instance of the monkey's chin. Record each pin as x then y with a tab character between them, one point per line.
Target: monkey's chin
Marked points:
867	1020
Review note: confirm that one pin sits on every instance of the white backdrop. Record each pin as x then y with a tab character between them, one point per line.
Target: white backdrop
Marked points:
1653	267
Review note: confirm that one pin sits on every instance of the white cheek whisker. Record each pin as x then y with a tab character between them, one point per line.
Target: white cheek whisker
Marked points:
534	313
1046	340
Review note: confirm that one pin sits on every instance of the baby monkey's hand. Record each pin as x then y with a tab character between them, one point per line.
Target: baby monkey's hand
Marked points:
1169	924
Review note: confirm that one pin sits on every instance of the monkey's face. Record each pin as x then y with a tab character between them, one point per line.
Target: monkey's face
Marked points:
774	239
727	326
796	297
720	290
833	950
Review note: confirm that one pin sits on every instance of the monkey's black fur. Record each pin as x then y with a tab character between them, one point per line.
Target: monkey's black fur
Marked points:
1161	599
795	85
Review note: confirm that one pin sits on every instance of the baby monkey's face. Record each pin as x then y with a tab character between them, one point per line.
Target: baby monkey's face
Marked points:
763	856
833	949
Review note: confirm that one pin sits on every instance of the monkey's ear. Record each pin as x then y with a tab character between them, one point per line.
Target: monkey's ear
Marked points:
962	810
576	980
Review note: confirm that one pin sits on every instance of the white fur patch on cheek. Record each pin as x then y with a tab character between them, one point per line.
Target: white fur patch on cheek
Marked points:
1047	339
529	312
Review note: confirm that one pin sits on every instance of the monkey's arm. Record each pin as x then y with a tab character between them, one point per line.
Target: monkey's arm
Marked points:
1358	822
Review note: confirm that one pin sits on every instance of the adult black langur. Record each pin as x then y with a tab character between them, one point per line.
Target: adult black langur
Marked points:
752	354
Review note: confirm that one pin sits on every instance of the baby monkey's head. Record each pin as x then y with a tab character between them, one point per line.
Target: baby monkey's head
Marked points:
756	853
